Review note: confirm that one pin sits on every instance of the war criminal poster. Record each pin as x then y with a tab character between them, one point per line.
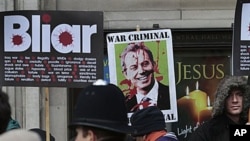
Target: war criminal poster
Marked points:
141	63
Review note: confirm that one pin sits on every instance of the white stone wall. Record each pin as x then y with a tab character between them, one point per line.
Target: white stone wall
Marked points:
120	14
28	103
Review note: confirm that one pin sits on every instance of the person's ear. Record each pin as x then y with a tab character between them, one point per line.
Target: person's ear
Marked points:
90	135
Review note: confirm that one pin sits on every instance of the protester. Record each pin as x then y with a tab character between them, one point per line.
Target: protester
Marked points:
42	134
19	135
138	66
230	108
149	125
5	111
100	114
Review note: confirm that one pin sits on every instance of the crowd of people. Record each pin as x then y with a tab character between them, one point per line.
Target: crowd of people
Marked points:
100	114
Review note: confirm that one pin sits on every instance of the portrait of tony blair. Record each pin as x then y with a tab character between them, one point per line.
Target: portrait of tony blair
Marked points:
138	67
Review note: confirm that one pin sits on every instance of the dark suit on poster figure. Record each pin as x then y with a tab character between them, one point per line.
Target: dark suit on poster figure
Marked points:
163	102
138	67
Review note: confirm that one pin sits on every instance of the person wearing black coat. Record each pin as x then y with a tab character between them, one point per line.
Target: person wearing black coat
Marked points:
230	108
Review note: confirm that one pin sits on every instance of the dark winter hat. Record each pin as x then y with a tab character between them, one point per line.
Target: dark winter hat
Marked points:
42	134
147	120
101	105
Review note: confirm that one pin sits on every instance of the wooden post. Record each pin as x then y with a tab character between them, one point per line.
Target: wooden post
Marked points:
47	119
137	28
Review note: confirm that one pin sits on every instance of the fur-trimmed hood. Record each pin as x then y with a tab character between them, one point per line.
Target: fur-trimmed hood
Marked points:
222	93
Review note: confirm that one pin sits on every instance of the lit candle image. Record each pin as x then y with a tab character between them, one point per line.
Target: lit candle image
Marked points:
185	100
206	114
187	104
200	98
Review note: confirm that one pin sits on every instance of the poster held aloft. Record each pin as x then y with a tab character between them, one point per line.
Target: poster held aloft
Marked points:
159	43
241	39
51	49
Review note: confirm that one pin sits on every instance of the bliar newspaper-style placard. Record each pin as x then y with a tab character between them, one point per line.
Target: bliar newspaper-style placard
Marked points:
51	48
141	64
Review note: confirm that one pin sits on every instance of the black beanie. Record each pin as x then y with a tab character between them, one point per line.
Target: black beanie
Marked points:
147	120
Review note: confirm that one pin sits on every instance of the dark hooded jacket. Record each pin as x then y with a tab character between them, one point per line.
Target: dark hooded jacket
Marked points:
217	129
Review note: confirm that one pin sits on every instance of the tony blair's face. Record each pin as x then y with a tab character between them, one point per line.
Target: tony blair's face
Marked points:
139	69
